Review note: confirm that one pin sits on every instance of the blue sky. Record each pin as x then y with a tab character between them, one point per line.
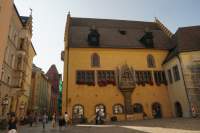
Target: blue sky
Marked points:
49	18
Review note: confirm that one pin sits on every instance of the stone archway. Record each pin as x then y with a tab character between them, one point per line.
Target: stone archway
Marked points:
178	109
156	110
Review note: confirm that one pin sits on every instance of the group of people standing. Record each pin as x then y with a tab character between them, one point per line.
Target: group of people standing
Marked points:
99	117
62	120
35	118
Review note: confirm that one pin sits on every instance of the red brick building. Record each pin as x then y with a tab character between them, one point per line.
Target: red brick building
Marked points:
54	78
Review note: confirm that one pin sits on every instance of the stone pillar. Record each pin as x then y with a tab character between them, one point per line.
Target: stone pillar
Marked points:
127	102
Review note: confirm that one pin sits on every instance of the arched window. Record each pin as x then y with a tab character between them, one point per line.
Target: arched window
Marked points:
101	109
95	60
137	108
151	61
118	109
78	111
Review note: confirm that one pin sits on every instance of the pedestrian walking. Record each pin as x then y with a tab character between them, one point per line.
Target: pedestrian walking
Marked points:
66	117
47	120
36	118
61	121
44	119
30	119
194	114
98	117
12	125
54	120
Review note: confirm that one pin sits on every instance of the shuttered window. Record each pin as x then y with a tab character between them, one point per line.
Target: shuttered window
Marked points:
176	73
144	77
160	78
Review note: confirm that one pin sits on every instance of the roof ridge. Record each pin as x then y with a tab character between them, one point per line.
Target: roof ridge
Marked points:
107	19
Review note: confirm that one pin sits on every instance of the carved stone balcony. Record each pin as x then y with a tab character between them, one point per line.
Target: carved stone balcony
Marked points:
62	55
20	67
21	52
17	79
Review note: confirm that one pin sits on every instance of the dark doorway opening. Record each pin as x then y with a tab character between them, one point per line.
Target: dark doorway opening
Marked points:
156	110
178	109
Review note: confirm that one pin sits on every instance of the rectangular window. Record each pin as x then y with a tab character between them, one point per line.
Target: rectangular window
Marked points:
106	77
170	76
156	77
85	77
160	78
21	46
8	80
143	77
176	73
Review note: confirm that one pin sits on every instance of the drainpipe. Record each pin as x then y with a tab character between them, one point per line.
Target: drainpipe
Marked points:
67	102
185	85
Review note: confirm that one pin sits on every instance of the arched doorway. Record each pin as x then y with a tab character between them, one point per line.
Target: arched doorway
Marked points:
178	109
78	113
156	110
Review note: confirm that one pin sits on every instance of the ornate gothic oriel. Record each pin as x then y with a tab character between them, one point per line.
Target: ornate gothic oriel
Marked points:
126	84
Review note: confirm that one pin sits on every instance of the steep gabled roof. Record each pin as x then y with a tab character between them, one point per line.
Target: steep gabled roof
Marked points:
110	36
23	19
186	39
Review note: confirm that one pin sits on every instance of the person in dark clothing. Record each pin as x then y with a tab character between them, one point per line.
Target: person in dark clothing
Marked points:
98	118
44	120
61	121
30	120
12	125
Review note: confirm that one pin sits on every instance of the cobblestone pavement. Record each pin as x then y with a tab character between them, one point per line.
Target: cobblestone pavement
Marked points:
145	126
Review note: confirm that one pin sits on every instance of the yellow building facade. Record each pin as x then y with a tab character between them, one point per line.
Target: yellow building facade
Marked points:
120	83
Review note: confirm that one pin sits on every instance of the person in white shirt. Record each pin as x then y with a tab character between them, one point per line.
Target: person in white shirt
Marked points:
66	119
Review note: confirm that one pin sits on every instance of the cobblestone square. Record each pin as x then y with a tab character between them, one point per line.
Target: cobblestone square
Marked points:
146	126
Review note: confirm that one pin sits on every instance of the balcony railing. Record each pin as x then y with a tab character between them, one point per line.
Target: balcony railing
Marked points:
62	55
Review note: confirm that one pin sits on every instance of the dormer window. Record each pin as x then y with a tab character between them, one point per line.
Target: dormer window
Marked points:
122	32
93	37
147	40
